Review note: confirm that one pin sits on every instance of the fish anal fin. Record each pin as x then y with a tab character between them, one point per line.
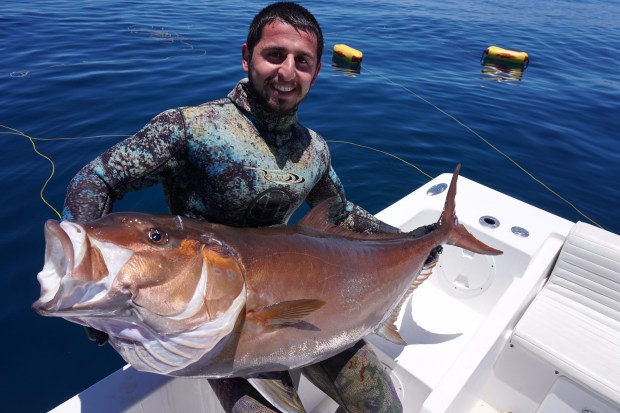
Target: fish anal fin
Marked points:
278	391
287	313
388	330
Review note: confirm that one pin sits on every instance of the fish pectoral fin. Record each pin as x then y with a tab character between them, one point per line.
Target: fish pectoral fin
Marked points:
278	390
388	331
287	313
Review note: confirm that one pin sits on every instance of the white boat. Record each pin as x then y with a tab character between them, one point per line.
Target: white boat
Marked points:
535	330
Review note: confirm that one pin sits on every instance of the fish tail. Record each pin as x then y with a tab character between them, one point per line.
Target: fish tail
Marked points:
457	234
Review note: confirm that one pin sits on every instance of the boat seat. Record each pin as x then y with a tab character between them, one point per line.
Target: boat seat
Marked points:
574	322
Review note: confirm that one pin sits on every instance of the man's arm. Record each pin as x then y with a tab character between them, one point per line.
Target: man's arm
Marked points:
137	162
140	161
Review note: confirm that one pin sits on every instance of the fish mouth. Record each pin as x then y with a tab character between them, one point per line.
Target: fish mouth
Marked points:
72	280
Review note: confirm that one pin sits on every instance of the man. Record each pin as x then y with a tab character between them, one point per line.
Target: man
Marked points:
246	161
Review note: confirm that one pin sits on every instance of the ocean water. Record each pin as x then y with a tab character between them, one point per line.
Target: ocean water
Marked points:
78	76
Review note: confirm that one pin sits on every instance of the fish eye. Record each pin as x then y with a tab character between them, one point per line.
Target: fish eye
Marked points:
157	236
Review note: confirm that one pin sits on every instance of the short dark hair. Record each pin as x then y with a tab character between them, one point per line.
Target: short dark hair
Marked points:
287	12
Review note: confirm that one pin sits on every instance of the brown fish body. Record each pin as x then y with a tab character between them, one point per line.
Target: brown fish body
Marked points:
183	297
359	278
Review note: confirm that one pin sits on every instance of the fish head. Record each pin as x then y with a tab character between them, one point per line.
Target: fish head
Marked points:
162	287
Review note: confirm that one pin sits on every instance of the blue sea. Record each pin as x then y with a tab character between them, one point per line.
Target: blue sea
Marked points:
78	76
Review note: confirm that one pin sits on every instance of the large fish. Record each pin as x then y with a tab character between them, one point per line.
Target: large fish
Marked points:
188	298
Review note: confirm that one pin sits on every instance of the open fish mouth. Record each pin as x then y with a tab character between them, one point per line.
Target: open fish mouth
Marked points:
76	280
78	271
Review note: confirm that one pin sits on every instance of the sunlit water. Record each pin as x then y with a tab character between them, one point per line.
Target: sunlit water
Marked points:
87	69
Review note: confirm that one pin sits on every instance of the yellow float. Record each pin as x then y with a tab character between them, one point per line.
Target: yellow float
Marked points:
507	56
347	54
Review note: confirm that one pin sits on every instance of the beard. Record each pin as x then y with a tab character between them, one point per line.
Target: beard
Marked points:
270	104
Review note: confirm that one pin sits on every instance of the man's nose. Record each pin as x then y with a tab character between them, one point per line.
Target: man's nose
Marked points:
287	68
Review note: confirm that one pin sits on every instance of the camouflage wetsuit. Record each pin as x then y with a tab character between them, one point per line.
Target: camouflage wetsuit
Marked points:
232	162
227	161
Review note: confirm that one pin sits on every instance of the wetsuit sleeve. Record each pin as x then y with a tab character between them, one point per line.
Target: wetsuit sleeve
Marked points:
352	217
145	159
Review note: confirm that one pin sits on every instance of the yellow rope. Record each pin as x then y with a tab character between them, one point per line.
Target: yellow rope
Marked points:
34	147
49	178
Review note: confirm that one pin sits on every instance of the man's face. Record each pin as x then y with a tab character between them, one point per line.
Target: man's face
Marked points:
283	66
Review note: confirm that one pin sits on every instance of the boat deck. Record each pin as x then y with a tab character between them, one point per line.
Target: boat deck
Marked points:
463	354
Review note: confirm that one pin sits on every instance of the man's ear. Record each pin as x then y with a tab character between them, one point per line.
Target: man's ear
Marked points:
245	57
318	69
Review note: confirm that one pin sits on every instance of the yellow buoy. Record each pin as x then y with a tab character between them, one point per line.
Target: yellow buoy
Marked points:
347	54
505	55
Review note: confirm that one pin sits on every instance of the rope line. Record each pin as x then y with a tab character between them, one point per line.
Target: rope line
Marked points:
385	153
495	148
49	178
168	36
376	73
51	175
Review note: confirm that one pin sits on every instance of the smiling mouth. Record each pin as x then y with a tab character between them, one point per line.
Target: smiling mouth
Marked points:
282	88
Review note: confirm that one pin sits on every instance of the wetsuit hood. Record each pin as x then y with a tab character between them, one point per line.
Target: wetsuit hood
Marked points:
276	129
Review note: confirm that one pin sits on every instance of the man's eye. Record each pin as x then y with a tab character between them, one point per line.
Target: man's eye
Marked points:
275	55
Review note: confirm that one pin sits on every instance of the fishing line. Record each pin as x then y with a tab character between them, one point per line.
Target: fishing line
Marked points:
78	138
383	152
172	37
25	73
486	141
39	153
160	35
32	141
49	178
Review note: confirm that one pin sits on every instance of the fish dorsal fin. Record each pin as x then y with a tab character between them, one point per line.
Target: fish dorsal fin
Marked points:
388	330
324	216
288	313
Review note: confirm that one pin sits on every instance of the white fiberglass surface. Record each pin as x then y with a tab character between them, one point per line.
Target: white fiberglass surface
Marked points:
460	303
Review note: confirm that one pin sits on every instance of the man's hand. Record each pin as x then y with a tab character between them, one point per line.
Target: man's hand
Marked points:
423	230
